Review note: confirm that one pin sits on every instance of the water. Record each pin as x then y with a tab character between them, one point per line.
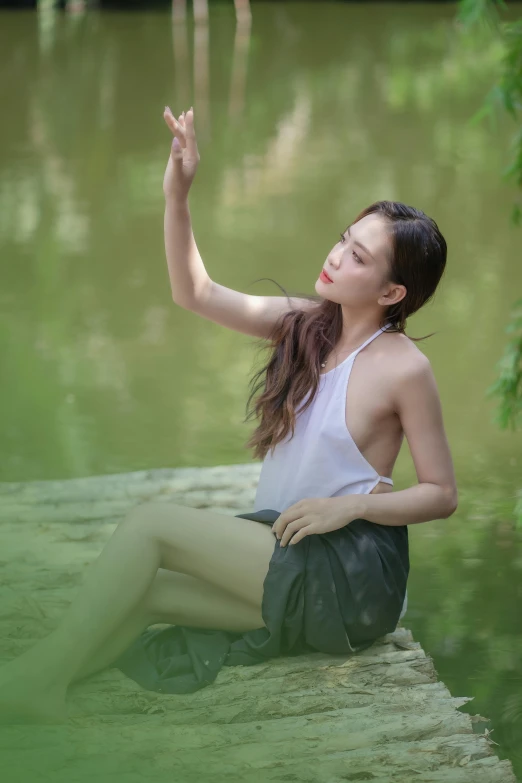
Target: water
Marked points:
299	127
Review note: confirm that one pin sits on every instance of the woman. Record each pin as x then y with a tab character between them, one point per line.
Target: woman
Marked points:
334	577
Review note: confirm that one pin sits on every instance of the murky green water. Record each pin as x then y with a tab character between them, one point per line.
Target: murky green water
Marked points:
300	125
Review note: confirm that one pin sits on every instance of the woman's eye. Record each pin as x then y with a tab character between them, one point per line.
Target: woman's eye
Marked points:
358	258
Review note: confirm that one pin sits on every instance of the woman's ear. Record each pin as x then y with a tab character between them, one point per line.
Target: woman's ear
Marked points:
396	293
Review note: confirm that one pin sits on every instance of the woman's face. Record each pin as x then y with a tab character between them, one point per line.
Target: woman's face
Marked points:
358	264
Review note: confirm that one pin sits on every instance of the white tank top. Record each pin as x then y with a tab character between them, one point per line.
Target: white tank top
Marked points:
321	459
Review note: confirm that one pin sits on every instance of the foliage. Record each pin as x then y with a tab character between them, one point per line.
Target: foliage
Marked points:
479	12
508	385
507	93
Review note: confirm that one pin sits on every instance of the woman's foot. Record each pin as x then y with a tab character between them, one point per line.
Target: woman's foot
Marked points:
26	701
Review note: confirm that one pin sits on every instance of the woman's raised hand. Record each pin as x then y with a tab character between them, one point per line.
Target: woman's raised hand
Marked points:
184	156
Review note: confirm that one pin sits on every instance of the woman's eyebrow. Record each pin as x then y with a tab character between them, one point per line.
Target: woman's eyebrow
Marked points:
360	244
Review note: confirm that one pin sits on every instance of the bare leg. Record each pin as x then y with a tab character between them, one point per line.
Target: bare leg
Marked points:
177	599
115	584
119	640
215	552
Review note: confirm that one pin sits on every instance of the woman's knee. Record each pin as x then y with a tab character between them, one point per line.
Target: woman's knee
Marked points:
148	517
145	512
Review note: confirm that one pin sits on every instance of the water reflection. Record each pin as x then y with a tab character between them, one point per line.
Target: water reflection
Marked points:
300	126
467	580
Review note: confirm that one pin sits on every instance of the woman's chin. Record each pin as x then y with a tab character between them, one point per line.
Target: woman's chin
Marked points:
321	288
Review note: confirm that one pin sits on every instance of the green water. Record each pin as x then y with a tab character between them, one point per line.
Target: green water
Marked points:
300	124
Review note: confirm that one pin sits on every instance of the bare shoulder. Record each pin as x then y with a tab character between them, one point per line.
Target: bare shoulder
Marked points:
403	357
404	368
415	399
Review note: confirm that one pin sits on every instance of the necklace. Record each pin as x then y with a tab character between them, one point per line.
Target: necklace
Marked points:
323	364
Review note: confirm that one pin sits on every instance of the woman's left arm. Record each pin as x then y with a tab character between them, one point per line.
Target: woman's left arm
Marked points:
417	403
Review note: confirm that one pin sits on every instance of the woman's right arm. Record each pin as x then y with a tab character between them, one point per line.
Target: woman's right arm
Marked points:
190	283
193	289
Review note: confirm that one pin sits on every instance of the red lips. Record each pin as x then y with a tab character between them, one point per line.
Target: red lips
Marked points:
327	276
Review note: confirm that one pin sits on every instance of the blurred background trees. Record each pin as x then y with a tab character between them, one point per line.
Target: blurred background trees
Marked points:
505	95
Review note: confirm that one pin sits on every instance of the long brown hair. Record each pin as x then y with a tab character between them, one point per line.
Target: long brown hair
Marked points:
300	340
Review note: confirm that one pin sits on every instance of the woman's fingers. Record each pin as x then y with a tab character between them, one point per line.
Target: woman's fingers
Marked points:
190	134
183	129
175	126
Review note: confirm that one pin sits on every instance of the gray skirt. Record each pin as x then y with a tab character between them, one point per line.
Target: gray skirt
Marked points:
335	593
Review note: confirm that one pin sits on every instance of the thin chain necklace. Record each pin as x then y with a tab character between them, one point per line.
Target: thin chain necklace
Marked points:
323	364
